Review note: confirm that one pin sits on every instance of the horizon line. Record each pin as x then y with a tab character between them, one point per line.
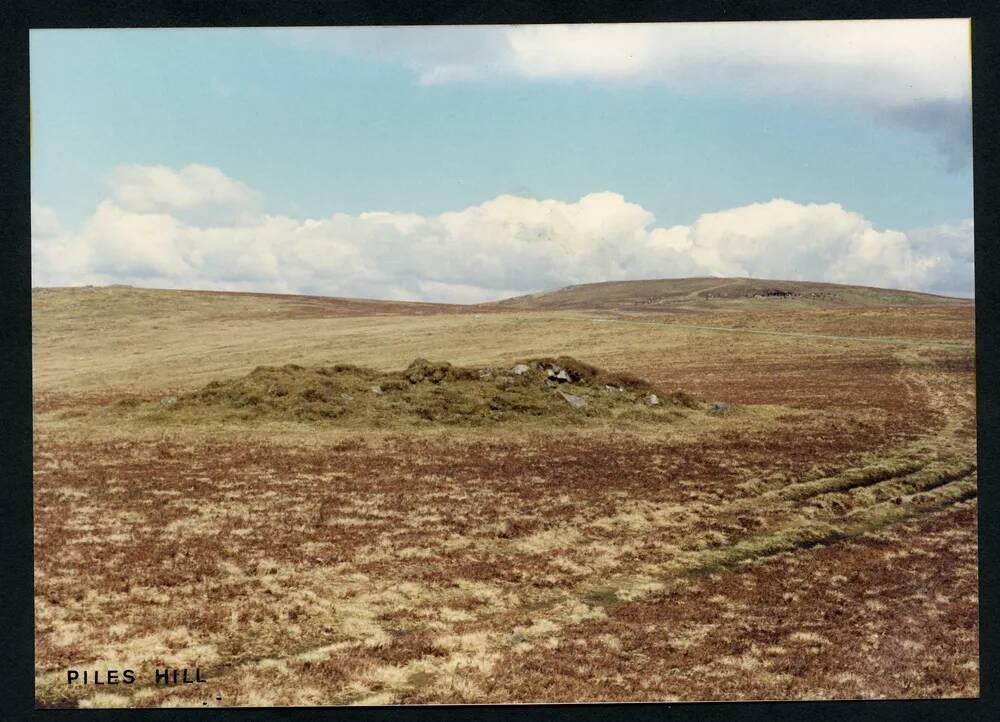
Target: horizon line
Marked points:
530	294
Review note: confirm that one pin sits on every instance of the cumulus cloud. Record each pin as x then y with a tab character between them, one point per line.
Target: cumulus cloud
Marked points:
44	221
196	193
502	247
952	249
915	73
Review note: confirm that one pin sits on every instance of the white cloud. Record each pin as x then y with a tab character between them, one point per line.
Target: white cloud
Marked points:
883	62
952	249
456	293
502	247
786	240
44	221
198	194
915	73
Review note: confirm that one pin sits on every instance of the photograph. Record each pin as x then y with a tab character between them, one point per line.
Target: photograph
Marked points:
503	364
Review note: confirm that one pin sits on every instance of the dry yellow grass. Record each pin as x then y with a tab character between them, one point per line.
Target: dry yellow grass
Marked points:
302	564
162	340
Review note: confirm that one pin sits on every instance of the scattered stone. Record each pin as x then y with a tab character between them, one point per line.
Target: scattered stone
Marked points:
168	400
558	374
577	402
721	407
564	389
775	292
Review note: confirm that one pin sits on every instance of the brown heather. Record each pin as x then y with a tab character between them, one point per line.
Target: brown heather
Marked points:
423	546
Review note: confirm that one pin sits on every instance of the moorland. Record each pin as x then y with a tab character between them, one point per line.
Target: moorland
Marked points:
692	489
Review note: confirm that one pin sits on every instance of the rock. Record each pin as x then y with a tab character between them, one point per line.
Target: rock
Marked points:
721	407
346	397
558	374
517	637
376	390
520	369
487	373
577	402
614	389
168	400
504	382
653	400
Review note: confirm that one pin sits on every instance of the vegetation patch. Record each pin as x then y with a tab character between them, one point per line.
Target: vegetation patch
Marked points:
560	390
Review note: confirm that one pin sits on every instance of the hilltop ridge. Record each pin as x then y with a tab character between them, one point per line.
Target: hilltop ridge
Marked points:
711	293
652	295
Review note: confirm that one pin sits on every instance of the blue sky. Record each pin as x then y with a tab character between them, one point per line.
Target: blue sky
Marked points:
429	121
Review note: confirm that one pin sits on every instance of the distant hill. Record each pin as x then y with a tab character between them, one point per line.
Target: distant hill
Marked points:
719	293
103	304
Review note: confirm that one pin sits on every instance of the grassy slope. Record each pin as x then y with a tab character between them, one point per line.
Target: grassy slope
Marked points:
719	293
91	340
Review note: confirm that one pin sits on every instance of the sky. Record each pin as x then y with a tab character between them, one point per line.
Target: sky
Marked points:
466	164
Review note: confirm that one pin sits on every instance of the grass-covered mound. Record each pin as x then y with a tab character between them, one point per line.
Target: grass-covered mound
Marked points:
561	390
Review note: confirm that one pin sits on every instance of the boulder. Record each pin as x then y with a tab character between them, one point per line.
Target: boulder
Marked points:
653	400
168	400
376	390
520	369
577	402
721	407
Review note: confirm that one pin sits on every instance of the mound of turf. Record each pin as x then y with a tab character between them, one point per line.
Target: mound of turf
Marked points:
560	390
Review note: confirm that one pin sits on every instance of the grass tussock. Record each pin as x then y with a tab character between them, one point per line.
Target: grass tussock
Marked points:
560	390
